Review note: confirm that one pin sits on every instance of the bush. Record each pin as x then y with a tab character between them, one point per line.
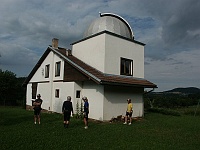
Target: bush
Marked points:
164	111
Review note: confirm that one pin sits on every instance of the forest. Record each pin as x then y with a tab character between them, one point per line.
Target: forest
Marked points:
11	91
175	98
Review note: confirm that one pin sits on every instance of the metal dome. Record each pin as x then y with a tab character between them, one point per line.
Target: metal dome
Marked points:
112	23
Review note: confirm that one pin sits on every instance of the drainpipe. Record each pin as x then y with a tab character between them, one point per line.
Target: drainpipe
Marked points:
149	91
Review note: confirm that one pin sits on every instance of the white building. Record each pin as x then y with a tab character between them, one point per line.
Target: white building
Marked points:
107	66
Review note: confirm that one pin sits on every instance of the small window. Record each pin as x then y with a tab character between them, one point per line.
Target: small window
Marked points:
57	71
47	71
34	90
57	93
126	67
78	94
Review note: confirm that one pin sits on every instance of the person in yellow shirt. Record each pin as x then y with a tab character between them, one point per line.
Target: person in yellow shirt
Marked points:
129	112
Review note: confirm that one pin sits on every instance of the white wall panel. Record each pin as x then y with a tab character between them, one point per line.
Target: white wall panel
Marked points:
116	48
91	51
115	102
95	95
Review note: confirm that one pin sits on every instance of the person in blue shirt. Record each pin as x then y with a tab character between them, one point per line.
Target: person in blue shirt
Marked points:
86	111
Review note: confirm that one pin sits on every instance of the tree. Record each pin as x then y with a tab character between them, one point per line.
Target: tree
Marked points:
11	90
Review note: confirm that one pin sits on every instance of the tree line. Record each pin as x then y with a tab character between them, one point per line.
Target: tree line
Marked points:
11	91
170	100
13	94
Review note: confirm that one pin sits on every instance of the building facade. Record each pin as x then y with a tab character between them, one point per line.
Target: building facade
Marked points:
107	66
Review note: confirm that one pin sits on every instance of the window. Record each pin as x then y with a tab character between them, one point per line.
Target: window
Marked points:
57	93
57	71
78	94
34	90
47	71
126	67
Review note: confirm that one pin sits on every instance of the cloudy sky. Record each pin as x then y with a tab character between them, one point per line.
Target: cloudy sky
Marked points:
169	28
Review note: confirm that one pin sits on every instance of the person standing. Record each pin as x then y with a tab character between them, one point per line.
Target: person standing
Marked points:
86	111
67	109
37	108
129	112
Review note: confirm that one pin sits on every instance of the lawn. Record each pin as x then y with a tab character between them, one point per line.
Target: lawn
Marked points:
154	131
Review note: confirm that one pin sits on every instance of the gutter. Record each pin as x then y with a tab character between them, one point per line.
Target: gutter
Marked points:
149	91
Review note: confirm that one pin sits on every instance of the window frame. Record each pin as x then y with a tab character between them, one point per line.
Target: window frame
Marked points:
57	69
34	89
78	94
57	93
47	69
126	66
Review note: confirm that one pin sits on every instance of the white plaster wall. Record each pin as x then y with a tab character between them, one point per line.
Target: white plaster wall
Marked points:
65	89
115	102
45	85
44	89
77	87
57	59
29	94
50	59
40	73
116	48
95	95
104	51
91	51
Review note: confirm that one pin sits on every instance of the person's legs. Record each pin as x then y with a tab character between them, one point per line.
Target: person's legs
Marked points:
39	118
66	119
126	118
86	123
86	120
130	118
35	116
35	119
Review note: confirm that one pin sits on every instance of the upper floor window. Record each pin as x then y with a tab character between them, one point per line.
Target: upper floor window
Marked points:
126	67
47	71
57	71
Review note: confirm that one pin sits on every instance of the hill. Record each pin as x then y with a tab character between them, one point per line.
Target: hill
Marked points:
188	90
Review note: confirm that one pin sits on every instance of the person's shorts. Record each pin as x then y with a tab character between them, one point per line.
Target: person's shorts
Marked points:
86	115
67	116
37	112
129	114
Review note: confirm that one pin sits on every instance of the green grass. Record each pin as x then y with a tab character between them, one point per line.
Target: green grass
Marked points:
155	131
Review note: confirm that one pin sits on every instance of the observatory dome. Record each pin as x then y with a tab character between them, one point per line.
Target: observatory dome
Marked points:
112	23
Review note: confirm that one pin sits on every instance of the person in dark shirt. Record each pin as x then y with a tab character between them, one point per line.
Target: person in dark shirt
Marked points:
67	108
37	108
86	111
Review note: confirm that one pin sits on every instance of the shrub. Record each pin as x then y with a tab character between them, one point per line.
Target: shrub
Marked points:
164	111
79	110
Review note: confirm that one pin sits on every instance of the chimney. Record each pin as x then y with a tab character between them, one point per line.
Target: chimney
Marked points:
55	43
69	52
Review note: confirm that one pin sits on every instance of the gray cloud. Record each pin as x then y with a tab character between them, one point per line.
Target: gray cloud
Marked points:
170	29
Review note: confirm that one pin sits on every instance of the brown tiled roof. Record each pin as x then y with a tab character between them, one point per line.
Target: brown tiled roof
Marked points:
92	73
102	78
